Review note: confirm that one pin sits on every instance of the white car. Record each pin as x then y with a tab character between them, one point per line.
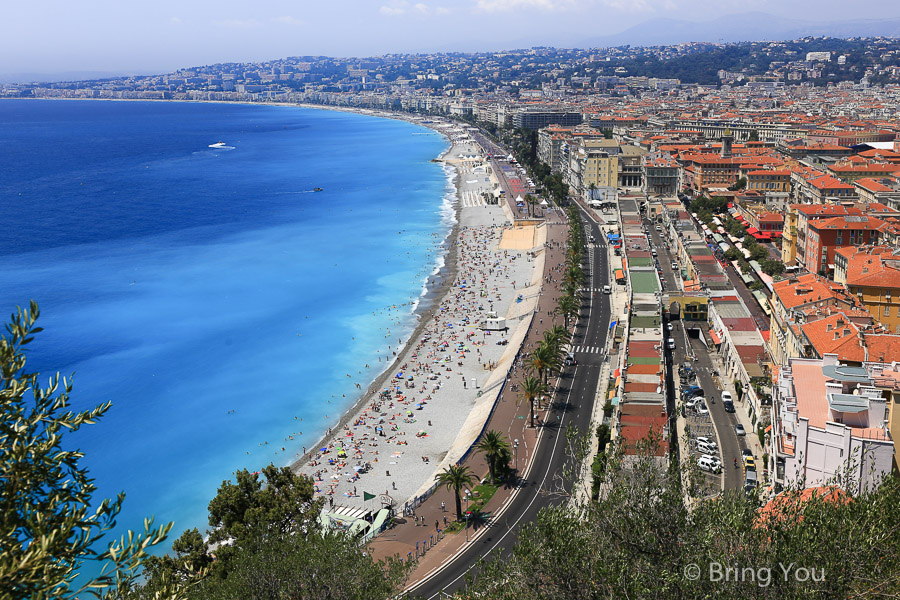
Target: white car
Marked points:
726	397
701	409
713	459
707	463
607	289
669	327
702	439
739	429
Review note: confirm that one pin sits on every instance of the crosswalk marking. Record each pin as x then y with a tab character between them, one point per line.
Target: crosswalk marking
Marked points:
590	349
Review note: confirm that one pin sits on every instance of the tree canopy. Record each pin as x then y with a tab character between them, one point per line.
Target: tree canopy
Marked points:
51	527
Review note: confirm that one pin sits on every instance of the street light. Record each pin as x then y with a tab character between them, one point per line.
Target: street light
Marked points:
516	446
467	515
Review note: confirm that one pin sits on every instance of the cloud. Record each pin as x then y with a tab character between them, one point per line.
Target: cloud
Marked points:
494	6
288	20
175	20
237	23
629	6
395	8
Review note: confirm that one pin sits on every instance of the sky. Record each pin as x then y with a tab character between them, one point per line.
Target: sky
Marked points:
144	36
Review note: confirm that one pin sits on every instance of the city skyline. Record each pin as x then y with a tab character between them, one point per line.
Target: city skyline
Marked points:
168	35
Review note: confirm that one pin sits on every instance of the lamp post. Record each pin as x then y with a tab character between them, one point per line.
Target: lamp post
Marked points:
467	515
516	447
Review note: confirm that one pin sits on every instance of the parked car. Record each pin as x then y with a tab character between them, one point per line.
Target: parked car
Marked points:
747	452
670	343
708	464
607	289
715	460
674	266
659	228
706	441
693	402
701	409
726	397
693	390
749	463
570	359
728	405
739	429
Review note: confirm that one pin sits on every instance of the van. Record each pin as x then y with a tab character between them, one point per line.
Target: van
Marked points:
707	463
670	343
750	479
607	289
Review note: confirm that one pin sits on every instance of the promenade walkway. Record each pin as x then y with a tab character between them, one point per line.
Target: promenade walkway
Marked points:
409	539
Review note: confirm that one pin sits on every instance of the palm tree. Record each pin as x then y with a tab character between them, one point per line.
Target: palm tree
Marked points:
492	445
541	360
567	306
532	389
455	478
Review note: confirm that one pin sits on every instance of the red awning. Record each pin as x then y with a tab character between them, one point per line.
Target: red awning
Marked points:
758	236
766	235
715	336
752	230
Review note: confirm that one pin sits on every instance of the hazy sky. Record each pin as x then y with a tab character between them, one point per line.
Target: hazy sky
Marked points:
52	36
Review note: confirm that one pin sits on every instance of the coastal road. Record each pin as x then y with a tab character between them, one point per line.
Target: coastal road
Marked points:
549	478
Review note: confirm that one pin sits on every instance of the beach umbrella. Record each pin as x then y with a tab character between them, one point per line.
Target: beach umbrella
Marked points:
323	449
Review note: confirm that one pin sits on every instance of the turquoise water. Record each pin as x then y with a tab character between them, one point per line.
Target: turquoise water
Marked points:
211	294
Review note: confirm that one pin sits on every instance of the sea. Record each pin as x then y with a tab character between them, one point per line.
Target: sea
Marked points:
225	308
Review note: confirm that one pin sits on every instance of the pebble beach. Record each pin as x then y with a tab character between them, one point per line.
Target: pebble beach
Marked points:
419	412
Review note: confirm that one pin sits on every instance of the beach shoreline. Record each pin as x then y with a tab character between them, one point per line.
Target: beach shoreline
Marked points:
425	315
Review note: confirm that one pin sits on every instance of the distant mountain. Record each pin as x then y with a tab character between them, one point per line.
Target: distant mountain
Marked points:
753	26
53	77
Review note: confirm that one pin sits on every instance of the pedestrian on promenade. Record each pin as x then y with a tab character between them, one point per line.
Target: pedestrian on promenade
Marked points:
443	506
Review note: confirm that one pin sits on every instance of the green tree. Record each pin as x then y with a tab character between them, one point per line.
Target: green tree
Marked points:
772	267
754	136
48	531
312	565
492	444
738	185
640	540
542	360
733	254
455	478
532	389
567	307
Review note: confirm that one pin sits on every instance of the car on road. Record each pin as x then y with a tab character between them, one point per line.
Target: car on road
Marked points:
653	251
749	463
659	228
739	430
747	452
670	343
693	403
726	397
674	266
728	405
570	359
702	410
607	289
669	327
592	239
693	390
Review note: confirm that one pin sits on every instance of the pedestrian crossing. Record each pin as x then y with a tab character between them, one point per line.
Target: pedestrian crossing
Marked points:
591	290
590	349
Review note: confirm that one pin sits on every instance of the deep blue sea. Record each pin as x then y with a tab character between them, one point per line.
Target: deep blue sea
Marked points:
210	294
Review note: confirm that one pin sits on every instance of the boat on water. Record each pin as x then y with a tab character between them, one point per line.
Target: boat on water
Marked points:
317	189
218	145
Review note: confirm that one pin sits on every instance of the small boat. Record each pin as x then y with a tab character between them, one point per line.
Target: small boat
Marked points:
317	189
218	145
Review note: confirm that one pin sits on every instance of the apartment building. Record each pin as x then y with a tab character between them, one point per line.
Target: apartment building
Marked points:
830	426
872	275
824	236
